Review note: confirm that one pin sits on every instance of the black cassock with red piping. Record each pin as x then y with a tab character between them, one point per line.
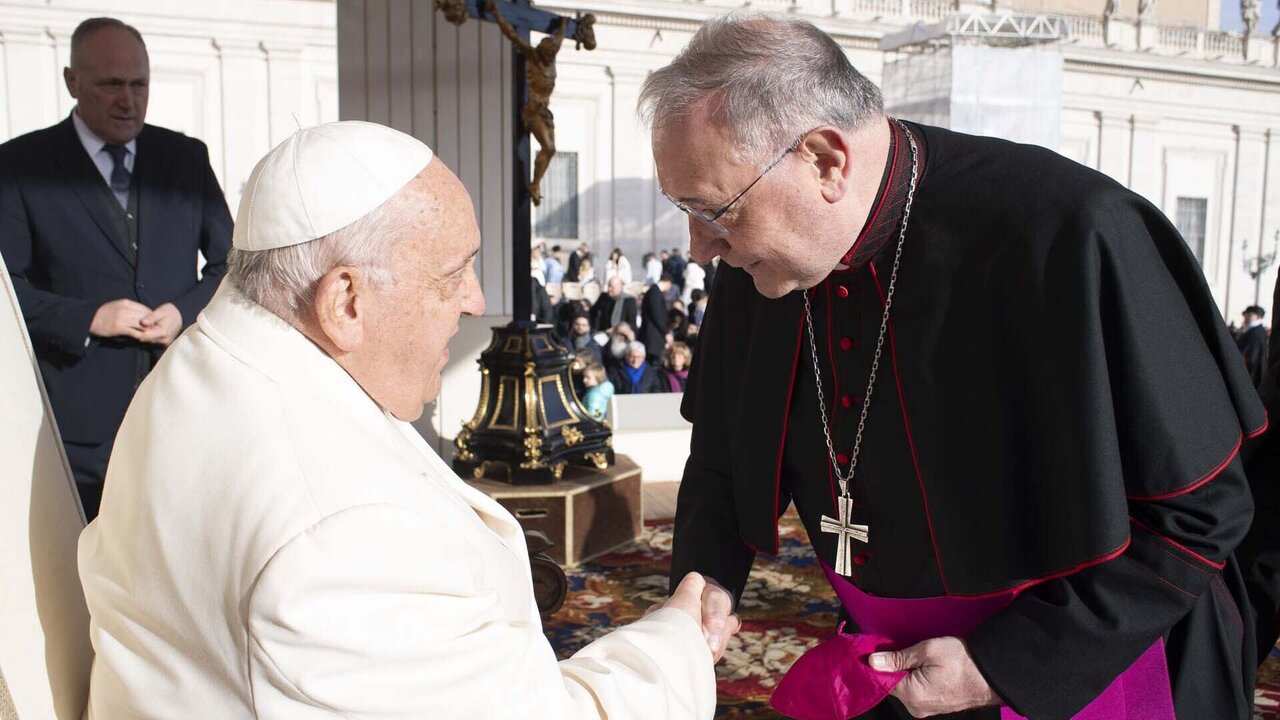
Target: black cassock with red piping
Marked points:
1059	408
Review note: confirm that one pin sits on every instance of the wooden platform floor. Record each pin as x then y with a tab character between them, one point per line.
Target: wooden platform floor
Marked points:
660	500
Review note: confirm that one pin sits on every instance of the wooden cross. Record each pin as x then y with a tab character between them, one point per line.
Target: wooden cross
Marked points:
520	19
845	532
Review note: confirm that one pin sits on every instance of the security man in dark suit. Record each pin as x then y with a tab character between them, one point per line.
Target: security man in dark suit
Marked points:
102	222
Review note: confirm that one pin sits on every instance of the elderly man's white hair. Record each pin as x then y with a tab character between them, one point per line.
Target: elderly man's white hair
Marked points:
772	78
283	280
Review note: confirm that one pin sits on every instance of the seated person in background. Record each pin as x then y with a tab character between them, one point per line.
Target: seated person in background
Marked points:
581	339
635	376
582	359
599	390
697	306
675	365
679	324
587	274
617	266
552	268
615	353
613	307
276	541
566	310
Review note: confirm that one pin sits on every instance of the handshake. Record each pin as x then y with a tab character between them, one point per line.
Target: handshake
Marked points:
710	606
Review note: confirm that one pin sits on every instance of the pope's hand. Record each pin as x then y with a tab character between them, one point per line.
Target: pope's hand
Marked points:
711	607
942	678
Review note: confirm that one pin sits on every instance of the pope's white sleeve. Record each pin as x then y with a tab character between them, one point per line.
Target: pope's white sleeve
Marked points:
378	611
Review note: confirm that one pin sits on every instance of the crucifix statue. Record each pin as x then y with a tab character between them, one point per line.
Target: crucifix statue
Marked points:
540	73
533	80
549	431
845	533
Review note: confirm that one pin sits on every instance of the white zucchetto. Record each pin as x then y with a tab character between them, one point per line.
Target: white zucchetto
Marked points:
322	179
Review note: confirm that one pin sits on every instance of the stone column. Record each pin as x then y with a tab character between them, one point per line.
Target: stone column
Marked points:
245	91
1144	158
31	83
632	176
1246	217
1114	138
288	94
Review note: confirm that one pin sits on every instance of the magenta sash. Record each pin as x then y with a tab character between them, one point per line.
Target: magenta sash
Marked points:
832	681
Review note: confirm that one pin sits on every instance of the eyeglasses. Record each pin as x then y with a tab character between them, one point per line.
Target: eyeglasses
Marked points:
712	221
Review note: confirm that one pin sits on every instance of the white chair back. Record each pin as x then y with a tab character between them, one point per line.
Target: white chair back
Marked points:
45	654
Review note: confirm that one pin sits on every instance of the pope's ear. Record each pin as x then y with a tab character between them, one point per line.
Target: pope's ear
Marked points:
338	307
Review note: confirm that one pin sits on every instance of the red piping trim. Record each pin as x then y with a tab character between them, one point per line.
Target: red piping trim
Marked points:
888	190
1054	576
782	440
835	380
911	442
1178	545
1195	485
1266	421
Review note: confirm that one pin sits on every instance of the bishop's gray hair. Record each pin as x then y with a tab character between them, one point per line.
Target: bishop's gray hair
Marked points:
772	78
283	280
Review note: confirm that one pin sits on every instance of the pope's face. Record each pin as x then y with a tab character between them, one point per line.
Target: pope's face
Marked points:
770	229
435	285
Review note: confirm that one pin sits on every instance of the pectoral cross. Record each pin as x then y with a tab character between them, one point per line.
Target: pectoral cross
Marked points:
844	532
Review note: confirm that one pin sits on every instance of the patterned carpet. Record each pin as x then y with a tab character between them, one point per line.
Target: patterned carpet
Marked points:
785	610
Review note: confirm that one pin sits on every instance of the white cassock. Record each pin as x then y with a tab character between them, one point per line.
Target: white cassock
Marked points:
274	545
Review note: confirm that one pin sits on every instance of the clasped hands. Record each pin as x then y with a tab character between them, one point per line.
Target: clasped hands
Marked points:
710	606
126	318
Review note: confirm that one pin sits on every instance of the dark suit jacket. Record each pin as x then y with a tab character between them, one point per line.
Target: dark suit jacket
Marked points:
653	323
650	382
67	255
602	311
1253	347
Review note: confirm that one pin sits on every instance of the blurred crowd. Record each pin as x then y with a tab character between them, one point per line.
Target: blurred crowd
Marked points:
633	330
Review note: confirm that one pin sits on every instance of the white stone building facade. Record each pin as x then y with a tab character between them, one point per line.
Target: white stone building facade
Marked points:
233	73
1185	115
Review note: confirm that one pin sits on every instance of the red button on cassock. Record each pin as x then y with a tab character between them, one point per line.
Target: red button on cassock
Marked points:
846	402
846	344
861	558
842	291
842	459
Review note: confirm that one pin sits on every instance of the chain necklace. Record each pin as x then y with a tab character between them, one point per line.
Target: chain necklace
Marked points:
840	526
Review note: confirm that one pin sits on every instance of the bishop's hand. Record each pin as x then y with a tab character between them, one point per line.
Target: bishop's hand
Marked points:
710	606
943	678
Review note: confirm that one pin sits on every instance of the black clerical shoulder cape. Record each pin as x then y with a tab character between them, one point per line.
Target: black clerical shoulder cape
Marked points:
1059	409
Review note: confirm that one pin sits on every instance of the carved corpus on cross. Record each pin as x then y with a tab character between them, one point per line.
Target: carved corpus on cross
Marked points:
844	532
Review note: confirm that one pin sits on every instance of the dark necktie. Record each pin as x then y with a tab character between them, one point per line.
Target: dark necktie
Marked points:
119	173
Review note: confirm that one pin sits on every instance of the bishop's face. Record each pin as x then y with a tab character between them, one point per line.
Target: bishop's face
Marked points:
771	229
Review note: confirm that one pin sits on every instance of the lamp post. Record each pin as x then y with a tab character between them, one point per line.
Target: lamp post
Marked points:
1259	264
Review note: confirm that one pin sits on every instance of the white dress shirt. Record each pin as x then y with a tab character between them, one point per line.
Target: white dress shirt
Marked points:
96	147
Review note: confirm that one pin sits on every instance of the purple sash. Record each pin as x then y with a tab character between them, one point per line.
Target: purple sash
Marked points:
833	681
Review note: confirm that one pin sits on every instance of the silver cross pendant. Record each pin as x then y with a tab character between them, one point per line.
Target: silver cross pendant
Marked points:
845	532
